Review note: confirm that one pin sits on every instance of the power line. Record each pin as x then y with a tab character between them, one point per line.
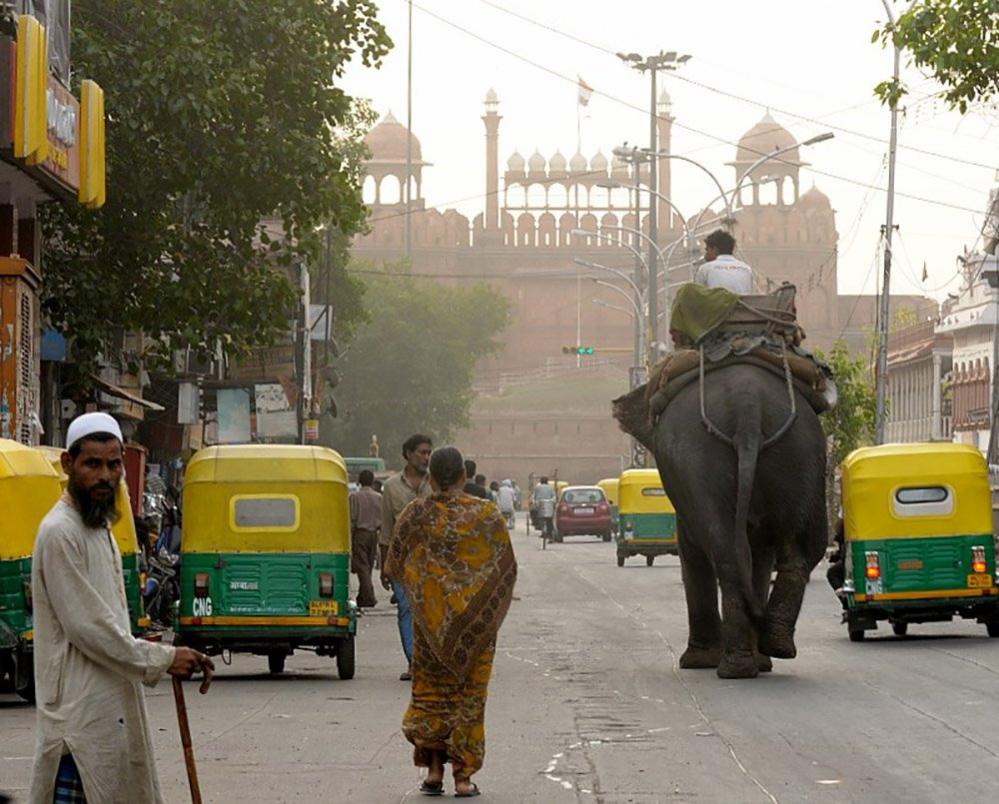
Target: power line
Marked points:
734	96
707	134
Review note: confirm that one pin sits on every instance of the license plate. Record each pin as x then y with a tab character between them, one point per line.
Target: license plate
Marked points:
317	607
979	581
583	511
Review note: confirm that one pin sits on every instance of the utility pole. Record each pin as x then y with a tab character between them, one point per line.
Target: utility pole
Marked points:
881	377
409	136
653	64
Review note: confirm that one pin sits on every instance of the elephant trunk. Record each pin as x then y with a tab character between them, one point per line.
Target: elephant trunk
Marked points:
747	440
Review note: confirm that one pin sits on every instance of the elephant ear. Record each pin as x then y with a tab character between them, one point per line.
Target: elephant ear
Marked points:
633	416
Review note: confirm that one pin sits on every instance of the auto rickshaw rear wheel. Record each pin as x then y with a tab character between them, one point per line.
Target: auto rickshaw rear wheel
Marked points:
345	658
900	629
857	636
24	672
606	537
992	628
620	560
275	662
650	560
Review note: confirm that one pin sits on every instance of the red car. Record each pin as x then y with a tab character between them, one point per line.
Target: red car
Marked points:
583	511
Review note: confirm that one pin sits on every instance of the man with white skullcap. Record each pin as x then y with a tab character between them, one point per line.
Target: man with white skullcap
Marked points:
93	734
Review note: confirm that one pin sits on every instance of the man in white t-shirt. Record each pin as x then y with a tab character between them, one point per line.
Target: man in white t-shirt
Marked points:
721	269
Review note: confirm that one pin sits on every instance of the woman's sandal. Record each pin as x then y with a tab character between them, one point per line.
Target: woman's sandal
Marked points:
471	793
432	789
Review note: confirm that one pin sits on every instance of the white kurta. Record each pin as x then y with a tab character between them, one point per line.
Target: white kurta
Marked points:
88	666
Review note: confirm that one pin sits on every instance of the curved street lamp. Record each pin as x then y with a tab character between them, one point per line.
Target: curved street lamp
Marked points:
607	238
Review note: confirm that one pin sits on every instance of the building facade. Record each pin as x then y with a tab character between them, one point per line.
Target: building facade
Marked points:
522	242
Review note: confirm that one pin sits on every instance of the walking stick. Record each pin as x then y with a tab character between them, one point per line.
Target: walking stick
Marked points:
185	739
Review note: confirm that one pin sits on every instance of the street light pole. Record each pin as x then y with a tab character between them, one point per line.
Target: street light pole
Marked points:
666	61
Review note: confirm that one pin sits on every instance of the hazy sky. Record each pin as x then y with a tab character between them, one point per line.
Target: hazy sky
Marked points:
810	58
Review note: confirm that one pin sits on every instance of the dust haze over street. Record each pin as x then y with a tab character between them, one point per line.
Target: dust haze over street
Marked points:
586	704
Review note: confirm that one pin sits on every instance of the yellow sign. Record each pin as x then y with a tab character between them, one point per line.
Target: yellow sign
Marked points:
979	581
317	607
92	161
31	141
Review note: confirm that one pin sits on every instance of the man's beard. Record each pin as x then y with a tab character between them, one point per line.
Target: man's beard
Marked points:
96	513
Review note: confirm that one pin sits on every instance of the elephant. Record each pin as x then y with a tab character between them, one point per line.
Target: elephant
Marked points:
742	508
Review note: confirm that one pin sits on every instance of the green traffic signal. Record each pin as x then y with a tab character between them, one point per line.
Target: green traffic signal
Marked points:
584	350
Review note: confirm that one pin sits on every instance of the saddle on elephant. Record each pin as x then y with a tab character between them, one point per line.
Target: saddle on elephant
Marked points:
712	328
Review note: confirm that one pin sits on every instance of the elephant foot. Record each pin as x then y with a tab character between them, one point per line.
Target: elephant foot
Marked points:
695	658
738	666
763	663
778	642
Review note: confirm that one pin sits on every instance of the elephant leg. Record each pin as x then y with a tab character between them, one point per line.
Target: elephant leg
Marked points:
738	632
793	569
700	586
763	564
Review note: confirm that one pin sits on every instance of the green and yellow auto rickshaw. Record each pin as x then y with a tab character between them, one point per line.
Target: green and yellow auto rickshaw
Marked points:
265	555
28	489
610	487
646	517
918	540
125	537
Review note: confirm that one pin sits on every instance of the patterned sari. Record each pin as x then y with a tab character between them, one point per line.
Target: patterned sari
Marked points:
453	555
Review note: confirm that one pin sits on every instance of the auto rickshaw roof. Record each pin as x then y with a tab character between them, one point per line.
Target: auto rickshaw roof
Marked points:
18	460
912	461
266	463
640	477
873	476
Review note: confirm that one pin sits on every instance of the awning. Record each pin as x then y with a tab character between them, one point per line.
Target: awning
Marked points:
121	393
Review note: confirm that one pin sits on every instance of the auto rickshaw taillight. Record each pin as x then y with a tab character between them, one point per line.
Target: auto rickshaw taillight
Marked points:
201	584
325	584
28	599
873	571
978	559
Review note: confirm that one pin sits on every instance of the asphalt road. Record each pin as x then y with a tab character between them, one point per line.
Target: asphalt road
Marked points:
586	704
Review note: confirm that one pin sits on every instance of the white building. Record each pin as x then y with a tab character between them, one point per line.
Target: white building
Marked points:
919	360
971	322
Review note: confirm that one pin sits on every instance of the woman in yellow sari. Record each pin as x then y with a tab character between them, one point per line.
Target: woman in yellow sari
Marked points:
453	555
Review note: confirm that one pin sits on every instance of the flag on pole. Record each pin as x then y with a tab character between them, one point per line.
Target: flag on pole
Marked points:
926	274
585	91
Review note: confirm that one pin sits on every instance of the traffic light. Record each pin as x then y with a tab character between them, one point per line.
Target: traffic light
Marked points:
577	350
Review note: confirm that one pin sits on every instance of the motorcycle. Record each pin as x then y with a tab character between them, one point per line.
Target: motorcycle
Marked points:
162	588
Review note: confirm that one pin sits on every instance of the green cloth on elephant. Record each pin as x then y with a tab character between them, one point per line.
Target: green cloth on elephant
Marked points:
697	310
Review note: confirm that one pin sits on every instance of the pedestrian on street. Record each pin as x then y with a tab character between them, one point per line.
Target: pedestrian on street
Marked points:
93	740
365	524
453	555
472	485
506	501
398	492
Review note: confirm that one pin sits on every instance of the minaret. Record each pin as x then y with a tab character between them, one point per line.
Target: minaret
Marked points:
664	114
492	120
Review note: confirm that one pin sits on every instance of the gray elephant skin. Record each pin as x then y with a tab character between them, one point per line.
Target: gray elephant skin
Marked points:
741	511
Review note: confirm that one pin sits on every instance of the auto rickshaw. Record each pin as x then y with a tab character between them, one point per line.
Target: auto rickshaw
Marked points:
125	537
28	490
646	517
918	541
610	487
265	558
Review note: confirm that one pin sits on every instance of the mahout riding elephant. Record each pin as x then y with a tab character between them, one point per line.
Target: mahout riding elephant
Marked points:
743	507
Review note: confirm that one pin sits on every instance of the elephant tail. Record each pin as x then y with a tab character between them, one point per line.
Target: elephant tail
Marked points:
747	440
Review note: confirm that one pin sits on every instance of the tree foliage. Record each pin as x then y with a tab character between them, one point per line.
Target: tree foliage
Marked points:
850	424
219	115
409	368
955	40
